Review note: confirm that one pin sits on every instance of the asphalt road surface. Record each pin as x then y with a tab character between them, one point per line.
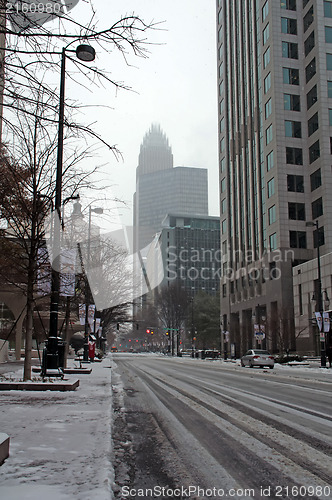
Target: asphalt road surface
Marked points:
188	428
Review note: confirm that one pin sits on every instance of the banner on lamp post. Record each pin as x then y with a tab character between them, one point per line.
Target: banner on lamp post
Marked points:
97	325
319	320
81	313
67	272
91	316
326	322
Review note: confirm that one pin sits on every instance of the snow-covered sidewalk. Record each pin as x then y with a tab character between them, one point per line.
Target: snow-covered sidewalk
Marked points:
60	442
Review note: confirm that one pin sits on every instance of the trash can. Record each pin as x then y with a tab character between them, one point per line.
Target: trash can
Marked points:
53	355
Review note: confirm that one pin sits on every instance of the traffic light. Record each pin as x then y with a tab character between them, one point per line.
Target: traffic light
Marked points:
147	330
167	333
151	332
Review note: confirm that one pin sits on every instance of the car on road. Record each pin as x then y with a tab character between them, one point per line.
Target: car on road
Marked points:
257	357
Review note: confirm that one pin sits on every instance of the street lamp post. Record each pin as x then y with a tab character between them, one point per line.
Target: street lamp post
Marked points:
84	53
96	210
192	328
320	296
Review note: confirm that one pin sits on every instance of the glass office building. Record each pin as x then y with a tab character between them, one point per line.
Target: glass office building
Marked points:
275	137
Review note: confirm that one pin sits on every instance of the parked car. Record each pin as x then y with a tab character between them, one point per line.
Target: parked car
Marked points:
257	357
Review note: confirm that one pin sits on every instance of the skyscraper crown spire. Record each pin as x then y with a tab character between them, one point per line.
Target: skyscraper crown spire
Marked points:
155	152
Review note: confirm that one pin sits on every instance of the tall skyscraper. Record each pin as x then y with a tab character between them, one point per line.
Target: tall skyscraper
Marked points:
161	189
275	123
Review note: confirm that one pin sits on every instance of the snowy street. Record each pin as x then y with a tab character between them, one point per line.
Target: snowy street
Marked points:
211	428
151	426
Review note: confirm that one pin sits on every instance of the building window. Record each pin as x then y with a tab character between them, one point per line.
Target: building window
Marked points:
314	152
269	161
305	2
288	26
222	124
312	97
222	144
294	156
266	33
222	106
223	185
223	206
224	226
297	239
300	300
267	57
290	50
313	124
293	129
268	108
220	34
296	211
315	180
222	164
330	116
309	43
295	183
265	10
328	34
291	75
272	214
221	69
267	83
317	208
288	4
292	102
328	9
329	89
269	134
221	87
273	241
329	62
310	70
308	19
270	188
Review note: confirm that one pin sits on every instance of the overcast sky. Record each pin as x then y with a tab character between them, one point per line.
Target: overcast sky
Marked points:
175	87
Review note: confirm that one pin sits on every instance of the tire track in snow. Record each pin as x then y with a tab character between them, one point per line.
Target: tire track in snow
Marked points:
287	451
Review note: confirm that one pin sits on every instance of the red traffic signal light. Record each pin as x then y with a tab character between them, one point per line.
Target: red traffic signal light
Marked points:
147	330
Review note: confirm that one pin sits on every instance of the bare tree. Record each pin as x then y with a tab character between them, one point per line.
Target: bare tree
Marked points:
207	320
172	304
26	190
32	46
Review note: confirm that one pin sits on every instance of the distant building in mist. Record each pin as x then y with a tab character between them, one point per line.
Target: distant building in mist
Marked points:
190	248
162	189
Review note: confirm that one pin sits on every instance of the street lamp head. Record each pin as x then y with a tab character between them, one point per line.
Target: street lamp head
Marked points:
85	53
97	210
